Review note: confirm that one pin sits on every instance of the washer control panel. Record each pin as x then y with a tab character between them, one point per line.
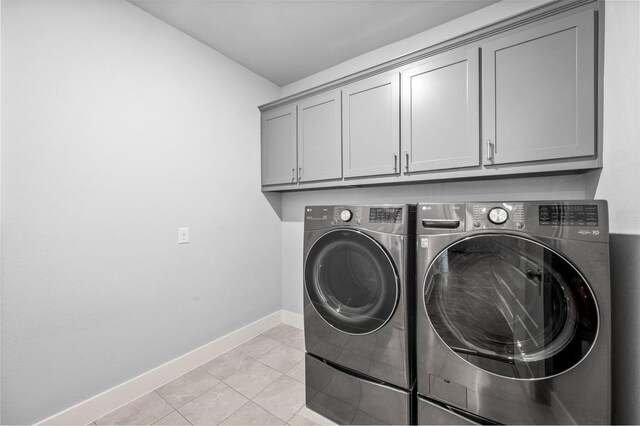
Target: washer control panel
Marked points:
584	220
497	215
568	214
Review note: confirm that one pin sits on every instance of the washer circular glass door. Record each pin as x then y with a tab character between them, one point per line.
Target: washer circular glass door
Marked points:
511	306
351	281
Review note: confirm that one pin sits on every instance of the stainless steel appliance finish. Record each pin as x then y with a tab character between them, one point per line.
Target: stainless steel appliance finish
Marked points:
358	284
513	310
352	399
430	413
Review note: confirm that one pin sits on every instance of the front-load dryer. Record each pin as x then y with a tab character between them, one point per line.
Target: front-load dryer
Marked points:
359	312
513	313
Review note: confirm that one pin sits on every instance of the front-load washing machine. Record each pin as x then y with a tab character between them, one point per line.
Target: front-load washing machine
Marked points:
359	312
513	313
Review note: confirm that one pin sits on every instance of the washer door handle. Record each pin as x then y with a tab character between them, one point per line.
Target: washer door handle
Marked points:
531	274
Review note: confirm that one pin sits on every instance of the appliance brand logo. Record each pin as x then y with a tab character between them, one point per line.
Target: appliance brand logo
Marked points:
586	232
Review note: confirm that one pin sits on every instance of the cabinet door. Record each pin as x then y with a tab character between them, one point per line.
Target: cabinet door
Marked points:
279	146
539	92
320	138
371	126
440	112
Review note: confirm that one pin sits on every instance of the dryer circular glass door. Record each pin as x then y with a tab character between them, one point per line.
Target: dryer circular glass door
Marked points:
351	281
511	306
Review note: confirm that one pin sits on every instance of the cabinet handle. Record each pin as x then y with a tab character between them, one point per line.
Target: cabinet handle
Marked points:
395	162
489	150
299	174
293	174
406	161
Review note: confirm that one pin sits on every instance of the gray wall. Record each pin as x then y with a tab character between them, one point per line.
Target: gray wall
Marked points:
116	130
620	184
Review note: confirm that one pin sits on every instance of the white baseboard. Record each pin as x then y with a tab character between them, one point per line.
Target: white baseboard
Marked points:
101	404
293	319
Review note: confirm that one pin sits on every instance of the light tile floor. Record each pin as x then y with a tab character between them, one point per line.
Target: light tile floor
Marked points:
260	382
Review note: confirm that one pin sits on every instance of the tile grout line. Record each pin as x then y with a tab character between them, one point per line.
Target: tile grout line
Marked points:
281	374
239	408
175	410
295	414
265	408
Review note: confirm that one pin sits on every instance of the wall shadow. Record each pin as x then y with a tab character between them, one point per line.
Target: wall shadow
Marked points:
625	327
275	200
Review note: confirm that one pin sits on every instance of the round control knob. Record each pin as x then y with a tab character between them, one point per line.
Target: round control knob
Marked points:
498	215
520	225
346	215
476	224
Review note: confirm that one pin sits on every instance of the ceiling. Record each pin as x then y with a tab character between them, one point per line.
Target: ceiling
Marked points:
287	40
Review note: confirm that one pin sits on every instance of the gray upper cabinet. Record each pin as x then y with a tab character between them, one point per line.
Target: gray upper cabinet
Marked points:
371	126
279	146
320	138
440	112
539	92
521	96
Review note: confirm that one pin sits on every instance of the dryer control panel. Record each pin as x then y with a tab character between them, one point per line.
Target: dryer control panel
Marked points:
388	218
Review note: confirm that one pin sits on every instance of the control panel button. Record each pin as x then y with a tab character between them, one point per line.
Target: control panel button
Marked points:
520	225
476	224
346	215
498	215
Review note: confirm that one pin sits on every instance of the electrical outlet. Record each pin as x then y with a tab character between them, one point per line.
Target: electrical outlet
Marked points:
183	235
